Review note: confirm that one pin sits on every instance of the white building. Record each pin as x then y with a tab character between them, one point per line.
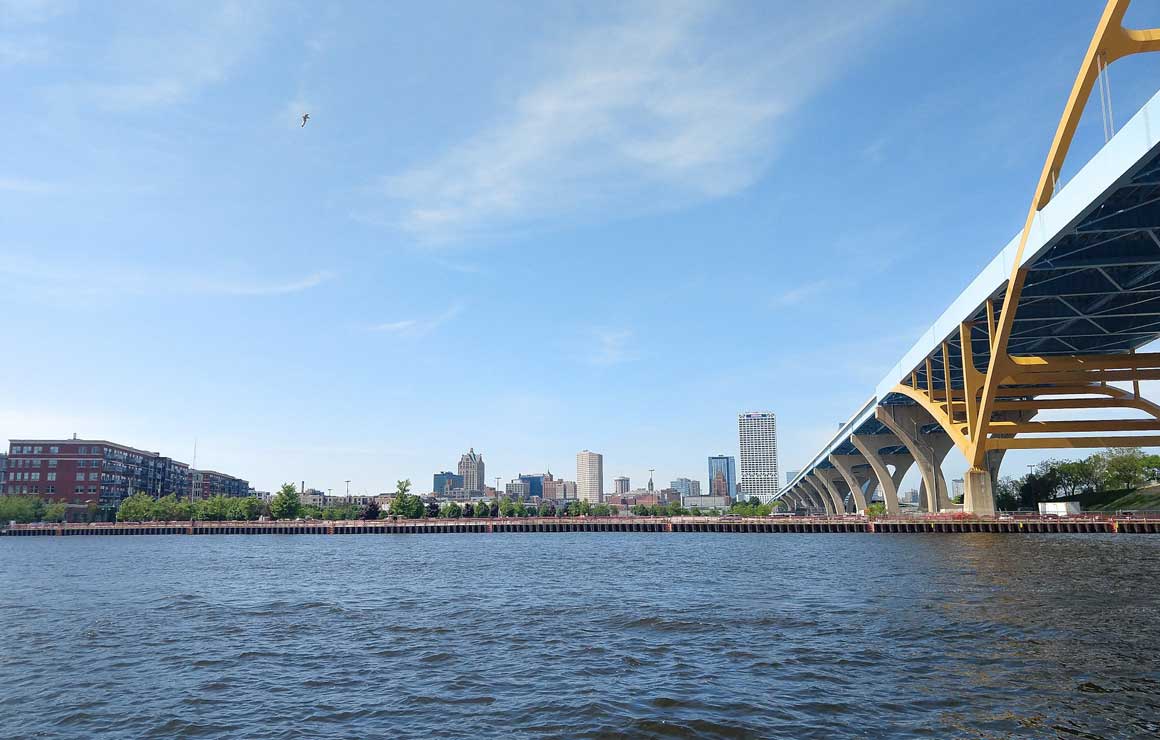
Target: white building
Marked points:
472	469
757	432
621	485
590	476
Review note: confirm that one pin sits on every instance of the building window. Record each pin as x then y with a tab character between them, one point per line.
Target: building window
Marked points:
83	451
36	450
80	476
54	450
52	463
92	476
51	476
36	476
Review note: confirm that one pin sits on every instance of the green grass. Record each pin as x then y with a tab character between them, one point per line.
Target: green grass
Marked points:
1142	500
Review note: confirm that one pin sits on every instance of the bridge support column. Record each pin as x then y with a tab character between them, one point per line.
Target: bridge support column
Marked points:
978	495
844	464
869	445
827	489
907	423
821	500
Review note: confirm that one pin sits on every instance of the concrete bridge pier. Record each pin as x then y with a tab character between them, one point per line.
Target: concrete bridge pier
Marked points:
870	445
907	423
828	493
844	464
821	500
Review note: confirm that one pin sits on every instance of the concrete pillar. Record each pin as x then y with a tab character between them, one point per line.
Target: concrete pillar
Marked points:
907	422
978	496
826	488
869	445
821	500
844	464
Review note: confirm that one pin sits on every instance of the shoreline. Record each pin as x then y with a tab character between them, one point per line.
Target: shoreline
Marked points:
679	524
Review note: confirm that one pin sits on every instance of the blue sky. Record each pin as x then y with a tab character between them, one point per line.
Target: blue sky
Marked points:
530	228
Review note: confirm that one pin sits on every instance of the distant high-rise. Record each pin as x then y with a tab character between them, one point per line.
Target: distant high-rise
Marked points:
757	433
686	487
445	482
790	475
722	476
471	468
590	476
620	484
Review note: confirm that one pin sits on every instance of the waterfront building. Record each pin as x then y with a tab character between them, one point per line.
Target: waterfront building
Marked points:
686	487
472	469
81	471
446	481
723	476
3	470
620	485
757	434
210	483
590	476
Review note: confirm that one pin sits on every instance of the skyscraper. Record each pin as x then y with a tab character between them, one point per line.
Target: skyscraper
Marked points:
590	476
757	433
722	476
471	468
686	487
621	484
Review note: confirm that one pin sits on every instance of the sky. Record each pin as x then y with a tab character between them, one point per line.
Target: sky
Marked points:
526	228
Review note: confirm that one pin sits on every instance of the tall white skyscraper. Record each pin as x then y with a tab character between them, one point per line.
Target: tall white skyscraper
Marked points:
757	431
471	468
590	476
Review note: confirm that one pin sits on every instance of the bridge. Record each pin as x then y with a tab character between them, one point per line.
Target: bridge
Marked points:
1051	325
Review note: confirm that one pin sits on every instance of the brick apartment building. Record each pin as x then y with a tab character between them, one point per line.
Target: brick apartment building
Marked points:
86	471
210	483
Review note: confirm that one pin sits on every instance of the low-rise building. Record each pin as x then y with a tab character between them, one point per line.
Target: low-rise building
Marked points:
705	502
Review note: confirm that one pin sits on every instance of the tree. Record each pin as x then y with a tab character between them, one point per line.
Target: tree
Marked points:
573	508
482	509
371	511
1124	467
547	509
1077	476
403	487
507	507
21	509
56	511
876	509
519	509
285	504
1007	494
136	508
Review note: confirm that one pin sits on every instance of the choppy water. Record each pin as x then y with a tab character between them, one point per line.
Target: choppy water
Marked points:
581	635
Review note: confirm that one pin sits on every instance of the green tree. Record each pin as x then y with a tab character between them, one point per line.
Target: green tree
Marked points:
371	511
1007	494
1124	467
56	511
482	509
1076	476
546	509
573	508
285	504
21	509
518	509
507	507
876	510
136	508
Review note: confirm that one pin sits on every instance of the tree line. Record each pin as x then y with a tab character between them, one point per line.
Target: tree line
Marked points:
1114	469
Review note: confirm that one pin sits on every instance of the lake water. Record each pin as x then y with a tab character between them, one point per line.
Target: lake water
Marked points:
581	635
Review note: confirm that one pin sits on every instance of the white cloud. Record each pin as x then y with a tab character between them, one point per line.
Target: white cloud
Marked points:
75	278
181	52
612	346
25	185
665	105
418	327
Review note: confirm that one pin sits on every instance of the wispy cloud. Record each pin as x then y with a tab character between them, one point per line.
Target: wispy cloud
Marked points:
635	113
74	278
418	326
25	185
153	69
801	293
612	346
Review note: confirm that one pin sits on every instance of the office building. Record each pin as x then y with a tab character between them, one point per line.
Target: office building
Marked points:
705	503
686	487
517	490
445	482
790	475
723	476
555	489
472	469
620	485
535	482
590	476
757	434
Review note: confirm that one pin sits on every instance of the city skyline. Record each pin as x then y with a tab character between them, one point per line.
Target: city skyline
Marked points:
148	175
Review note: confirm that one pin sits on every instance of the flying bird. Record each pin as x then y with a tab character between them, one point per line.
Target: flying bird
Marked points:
305	118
